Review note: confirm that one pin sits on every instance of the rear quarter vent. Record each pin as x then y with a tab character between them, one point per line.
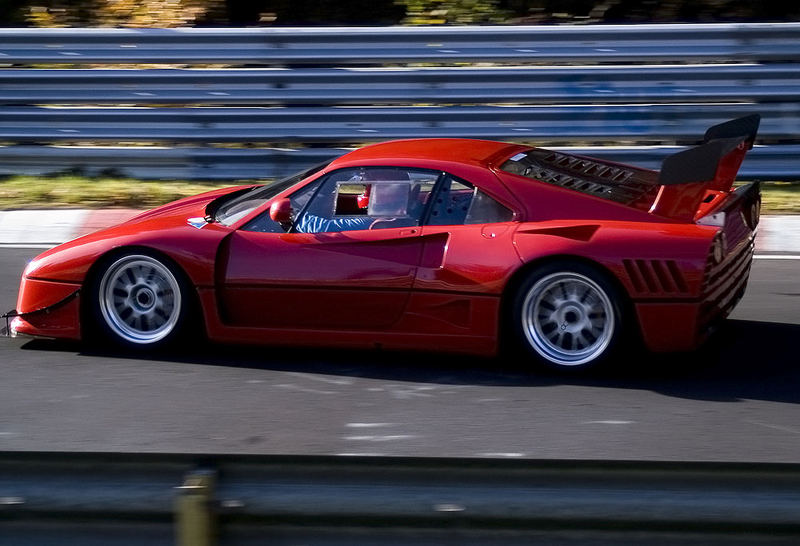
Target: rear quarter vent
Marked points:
655	277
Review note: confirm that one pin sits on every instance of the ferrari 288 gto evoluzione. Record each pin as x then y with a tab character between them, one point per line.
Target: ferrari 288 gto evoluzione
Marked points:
433	244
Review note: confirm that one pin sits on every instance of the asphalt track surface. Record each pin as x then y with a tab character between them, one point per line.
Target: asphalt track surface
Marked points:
736	399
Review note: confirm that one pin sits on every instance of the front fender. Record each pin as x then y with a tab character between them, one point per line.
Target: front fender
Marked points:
194	250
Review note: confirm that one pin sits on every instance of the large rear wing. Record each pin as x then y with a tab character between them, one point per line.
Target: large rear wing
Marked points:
687	176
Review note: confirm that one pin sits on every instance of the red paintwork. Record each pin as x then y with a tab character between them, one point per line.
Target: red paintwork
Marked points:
281	211
35	295
430	287
61	322
363	278
681	332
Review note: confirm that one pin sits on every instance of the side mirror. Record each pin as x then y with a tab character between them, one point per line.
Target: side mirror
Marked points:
281	211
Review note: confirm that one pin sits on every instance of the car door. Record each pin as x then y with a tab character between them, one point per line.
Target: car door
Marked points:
348	261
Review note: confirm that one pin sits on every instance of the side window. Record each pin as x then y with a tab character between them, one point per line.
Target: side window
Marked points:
485	210
459	202
452	203
368	198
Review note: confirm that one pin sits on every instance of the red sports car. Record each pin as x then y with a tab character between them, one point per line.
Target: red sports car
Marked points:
437	244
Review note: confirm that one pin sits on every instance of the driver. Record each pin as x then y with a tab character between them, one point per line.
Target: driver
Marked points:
311	223
383	202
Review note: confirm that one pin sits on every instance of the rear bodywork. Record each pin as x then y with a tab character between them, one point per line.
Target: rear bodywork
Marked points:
678	243
683	256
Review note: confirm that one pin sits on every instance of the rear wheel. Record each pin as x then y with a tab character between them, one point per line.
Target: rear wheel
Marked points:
568	315
140	301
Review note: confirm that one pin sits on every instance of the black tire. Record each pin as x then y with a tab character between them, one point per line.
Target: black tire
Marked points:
139	301
569	316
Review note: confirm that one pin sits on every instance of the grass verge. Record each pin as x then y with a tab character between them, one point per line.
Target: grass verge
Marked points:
780	198
34	192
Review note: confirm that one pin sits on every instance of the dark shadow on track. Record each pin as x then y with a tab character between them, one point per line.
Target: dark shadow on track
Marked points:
743	360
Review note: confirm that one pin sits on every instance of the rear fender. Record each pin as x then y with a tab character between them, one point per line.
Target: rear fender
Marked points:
650	261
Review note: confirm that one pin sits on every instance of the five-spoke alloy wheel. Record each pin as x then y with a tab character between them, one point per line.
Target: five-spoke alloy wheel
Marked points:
140	300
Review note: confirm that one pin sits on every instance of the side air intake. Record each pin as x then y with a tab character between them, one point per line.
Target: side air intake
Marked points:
655	276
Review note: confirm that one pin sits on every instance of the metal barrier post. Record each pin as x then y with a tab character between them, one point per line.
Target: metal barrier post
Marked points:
195	522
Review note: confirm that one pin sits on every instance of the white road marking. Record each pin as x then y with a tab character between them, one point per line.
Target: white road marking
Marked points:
404	393
380	438
608	422
322	379
293	387
360	454
500	454
776	257
776	427
369	425
449	507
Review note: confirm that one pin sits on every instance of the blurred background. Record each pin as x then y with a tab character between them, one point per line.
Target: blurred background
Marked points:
176	13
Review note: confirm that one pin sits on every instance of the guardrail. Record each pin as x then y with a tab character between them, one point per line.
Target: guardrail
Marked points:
122	499
373	86
150	162
320	90
359	45
640	124
221	164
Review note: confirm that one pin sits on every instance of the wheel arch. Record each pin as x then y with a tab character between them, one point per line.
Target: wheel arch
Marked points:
95	270
522	273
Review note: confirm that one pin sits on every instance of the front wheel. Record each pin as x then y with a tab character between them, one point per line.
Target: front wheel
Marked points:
568	315
139	301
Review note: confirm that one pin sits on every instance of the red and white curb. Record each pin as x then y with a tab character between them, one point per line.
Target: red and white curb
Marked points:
779	233
46	228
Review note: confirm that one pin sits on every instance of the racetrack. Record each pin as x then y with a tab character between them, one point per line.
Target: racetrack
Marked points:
737	399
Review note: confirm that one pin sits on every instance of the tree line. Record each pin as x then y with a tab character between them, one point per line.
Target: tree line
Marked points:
174	13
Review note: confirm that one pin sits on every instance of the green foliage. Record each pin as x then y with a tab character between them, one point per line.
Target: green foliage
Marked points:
452	12
780	198
30	192
175	13
121	13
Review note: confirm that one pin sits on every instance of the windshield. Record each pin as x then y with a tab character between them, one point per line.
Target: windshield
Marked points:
240	205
